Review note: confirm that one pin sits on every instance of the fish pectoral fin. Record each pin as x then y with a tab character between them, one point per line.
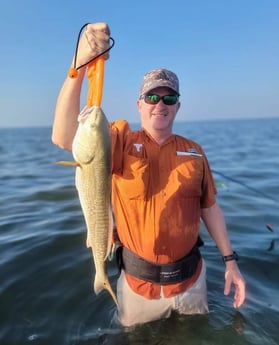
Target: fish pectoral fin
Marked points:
68	164
88	241
112	252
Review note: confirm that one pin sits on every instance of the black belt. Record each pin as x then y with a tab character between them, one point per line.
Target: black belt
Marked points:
162	274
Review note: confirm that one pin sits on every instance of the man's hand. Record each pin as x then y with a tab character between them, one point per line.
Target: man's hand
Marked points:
94	40
233	276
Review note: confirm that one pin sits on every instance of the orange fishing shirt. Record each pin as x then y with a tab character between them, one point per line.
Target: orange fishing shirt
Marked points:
157	195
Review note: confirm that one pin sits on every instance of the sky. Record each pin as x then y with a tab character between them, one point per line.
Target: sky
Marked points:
225	53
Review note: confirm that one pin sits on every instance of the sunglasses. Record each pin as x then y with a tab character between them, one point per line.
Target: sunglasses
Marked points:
154	99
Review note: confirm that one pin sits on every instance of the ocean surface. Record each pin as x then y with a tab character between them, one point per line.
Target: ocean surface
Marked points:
46	271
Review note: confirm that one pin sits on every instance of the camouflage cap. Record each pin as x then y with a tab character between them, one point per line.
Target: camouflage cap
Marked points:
158	78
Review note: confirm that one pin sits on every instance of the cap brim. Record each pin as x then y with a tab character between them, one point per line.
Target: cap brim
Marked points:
159	83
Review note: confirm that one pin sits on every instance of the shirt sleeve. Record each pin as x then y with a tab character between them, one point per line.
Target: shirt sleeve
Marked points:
209	190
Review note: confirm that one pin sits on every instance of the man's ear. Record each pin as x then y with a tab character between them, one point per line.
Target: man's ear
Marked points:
139	105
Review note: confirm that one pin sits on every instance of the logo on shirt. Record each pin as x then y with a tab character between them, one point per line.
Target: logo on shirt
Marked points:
190	152
138	147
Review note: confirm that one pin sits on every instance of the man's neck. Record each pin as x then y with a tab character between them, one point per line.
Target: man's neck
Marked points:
159	136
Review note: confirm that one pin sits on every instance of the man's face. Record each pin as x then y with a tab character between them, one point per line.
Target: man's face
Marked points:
159	116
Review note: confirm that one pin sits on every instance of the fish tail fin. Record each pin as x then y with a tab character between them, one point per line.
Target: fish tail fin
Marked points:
101	285
109	289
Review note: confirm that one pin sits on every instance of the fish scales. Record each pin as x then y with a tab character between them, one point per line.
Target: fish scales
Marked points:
92	152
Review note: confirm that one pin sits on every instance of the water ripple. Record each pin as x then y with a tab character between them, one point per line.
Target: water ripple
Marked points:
46	288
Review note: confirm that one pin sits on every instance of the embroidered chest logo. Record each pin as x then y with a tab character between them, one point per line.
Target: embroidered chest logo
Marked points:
138	147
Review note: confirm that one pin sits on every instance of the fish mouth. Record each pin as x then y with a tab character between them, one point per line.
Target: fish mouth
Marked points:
83	115
89	113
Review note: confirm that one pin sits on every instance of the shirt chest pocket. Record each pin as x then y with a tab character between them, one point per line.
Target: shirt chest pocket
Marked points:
133	183
188	174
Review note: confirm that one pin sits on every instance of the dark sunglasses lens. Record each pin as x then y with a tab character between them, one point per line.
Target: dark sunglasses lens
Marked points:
152	99
170	99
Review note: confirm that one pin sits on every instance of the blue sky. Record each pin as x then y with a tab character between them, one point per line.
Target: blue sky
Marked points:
226	54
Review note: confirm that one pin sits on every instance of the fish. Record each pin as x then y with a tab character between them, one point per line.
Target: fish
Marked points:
91	150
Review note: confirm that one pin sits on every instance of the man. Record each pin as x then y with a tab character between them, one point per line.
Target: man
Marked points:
161	187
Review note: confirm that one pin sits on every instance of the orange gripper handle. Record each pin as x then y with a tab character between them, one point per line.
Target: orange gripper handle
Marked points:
95	75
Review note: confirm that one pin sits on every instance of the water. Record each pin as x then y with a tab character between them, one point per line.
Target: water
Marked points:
46	271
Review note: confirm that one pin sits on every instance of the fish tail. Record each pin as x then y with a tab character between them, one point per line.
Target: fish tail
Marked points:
101	285
109	289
